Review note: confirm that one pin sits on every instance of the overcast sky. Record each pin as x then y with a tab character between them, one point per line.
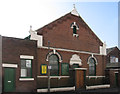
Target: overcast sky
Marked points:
16	16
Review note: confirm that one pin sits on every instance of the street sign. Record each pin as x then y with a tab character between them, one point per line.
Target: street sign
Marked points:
49	67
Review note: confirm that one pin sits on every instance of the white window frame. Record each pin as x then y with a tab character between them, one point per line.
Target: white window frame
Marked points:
26	57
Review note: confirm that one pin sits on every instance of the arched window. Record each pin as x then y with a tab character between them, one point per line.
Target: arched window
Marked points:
92	67
75	27
74	30
54	63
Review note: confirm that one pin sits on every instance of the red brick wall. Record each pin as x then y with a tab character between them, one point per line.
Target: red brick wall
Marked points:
112	71
12	48
60	35
42	54
112	78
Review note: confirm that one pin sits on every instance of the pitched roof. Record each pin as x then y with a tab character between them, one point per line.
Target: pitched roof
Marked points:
108	50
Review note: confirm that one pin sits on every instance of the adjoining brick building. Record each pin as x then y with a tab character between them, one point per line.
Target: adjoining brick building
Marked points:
19	63
65	44
113	66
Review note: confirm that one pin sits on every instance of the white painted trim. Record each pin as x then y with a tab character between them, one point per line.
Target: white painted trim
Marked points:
42	76
74	24
114	69
94	77
54	52
116	72
57	89
94	59
51	77
70	50
26	79
74	12
103	49
75	35
75	59
34	36
80	68
26	57
59	77
98	86
10	65
42	90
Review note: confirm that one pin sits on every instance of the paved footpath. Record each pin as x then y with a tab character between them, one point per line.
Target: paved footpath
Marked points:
96	91
100	91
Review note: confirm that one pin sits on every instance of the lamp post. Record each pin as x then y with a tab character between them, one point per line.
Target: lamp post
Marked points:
48	68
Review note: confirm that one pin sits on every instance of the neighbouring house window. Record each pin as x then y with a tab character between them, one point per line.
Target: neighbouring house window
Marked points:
54	63
113	59
43	69
26	68
64	69
92	67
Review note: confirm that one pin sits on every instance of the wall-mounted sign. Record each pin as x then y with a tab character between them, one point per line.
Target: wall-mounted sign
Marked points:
49	67
43	69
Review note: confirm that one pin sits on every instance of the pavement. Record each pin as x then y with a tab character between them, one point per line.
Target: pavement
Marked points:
100	91
94	91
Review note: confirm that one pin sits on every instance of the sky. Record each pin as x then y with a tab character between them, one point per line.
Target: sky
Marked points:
17	15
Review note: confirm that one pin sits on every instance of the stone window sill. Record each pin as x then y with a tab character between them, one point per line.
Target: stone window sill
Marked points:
26	79
75	35
52	77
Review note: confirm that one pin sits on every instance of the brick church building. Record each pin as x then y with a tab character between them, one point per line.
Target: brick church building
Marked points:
62	45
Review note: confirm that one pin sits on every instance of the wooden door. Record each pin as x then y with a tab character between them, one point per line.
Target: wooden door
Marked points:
9	79
116	79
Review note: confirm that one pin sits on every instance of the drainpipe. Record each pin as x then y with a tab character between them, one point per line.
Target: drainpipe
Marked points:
48	68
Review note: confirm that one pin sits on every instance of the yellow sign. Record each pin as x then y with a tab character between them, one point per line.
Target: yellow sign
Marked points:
44	69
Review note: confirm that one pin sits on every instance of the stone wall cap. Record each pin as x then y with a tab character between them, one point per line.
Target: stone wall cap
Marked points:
80	68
